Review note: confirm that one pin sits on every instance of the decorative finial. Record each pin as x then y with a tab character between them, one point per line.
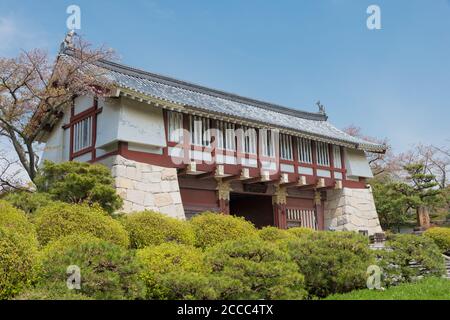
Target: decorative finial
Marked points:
321	107
68	40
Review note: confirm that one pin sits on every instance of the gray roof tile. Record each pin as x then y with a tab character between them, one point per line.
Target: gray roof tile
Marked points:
234	106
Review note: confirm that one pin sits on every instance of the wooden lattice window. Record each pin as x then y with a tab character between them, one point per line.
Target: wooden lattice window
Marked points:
304	150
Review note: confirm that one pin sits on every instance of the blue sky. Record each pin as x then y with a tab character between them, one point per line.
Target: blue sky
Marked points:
393	82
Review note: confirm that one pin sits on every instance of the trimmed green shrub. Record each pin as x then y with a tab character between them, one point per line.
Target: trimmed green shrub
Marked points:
153	228
62	219
165	258
300	232
441	236
274	234
51	293
409	256
332	262
108	271
264	271
29	202
18	262
212	228
16	220
184	285
79	182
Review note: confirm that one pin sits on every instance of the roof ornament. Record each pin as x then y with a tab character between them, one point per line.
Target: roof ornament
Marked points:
68	40
321	107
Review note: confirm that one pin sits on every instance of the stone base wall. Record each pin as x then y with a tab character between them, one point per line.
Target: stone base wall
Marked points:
146	187
351	210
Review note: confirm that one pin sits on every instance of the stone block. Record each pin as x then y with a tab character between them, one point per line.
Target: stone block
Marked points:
122	182
162	200
136	196
176	197
169	174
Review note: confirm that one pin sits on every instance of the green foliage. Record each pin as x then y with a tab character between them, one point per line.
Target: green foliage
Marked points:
108	271
157	261
332	262
392	205
52	292
264	271
274	234
153	228
62	219
427	289
441	236
185	285
212	228
422	190
300	232
16	220
18	262
79	182
29	202
404	251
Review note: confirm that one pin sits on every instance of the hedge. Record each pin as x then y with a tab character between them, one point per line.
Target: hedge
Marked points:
300	232
332	262
441	236
184	285
156	261
153	228
62	219
18	262
212	228
17	221
29	202
408	257
108	271
263	270
274	234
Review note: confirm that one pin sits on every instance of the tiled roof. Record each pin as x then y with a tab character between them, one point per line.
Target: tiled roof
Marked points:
315	125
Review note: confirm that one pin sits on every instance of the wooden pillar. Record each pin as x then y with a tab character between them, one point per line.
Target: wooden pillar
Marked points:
279	200
320	212
223	196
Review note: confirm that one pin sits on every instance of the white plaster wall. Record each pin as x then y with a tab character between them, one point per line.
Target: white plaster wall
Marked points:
83	103
356	164
141	123
108	122
54	148
351	210
57	145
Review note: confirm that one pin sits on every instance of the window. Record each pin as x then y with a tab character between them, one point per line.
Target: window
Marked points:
249	140
175	123
82	134
322	154
304	150
337	157
225	135
305	218
268	143
200	133
286	147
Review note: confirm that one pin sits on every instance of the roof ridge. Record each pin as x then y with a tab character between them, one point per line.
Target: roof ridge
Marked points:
121	68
